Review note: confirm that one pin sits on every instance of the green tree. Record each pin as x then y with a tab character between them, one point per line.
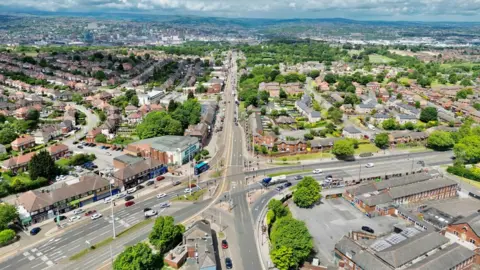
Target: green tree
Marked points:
102	116
33	115
399	96
134	101
279	210
314	74
188	113
100	75
468	149
335	115
172	106
440	140
283	258
138	257
291	233
417	104
77	98
101	138
7	236
159	124
42	165
7	135
307	192
8	214
462	94
390	124
190	95
351	99
382	140
343	148
165	235
283	94
466	82
429	114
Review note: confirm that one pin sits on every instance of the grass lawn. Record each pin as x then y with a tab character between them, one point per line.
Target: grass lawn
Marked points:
413	149
63	162
241	107
380	59
471	182
404	80
304	157
194	197
365	148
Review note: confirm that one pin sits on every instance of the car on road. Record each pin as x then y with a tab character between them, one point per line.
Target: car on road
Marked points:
176	183
280	188
140	187
96	216
108	200
35	231
368	229
120	195
129	203
224	244
72	219
160	178
129	198
228	263
59	218
91	212
150	213
329	177
75	142
80	147
187	190
369	165
108	154
147	209
161	195
78	211
297	177
165	205
149	183
317	171
132	190
287	184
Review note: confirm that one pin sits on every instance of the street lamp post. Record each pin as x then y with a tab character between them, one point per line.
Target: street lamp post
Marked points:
359	170
111	206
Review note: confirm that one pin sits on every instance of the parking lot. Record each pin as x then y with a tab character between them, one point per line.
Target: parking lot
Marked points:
334	218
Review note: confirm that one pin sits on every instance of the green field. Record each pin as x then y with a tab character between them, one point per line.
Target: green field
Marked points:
304	157
366	148
380	59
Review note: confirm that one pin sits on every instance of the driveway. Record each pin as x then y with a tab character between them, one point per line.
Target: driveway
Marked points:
334	218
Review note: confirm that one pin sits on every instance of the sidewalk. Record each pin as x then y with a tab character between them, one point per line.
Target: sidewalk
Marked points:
263	243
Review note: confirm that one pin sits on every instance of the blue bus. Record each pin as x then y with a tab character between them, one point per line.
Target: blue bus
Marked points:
201	167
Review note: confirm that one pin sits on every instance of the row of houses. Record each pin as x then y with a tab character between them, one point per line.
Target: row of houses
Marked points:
20	163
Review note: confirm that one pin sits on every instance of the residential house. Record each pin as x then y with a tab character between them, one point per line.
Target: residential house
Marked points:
18	163
23	142
70	116
379	118
352	132
365	108
407	109
58	106
347	109
57	151
273	88
21	113
134	118
108	128
406	118
130	109
401	137
197	250
65	126
46	133
303	106
90	138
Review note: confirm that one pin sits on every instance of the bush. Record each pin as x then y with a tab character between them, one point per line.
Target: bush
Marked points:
461	171
6	236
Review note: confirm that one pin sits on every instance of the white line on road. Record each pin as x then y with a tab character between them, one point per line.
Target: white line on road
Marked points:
73	248
44	258
37	265
77	233
6	267
57	259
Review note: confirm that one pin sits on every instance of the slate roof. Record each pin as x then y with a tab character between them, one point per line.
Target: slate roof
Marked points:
446	258
352	130
136	168
407	190
472	220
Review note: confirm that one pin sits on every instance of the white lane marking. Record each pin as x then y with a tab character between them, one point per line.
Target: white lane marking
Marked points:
6	267
34	250
57	259
39	254
73	248
26	254
50	263
77	233
37	265
44	258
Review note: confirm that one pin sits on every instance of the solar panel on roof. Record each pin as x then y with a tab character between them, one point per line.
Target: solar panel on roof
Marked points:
409	232
380	245
395	238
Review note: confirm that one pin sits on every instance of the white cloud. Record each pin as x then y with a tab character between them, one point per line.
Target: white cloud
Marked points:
415	9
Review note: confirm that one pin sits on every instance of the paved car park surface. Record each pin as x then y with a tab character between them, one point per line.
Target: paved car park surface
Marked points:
329	221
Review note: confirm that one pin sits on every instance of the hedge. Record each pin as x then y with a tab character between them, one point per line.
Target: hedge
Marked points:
7	236
463	172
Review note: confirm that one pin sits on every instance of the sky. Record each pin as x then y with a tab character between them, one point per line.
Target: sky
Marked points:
408	10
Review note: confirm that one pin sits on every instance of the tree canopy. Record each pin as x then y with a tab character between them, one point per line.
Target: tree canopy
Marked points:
159	124
307	192
382	140
8	213
165	235
283	258
343	148
440	140
42	165
138	257
429	114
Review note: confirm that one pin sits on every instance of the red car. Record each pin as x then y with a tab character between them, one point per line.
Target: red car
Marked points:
91	212
129	203
224	244
160	178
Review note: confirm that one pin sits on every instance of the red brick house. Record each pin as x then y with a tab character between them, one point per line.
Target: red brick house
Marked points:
92	134
23	142
57	151
19	163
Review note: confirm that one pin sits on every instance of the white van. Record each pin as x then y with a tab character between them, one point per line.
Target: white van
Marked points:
132	190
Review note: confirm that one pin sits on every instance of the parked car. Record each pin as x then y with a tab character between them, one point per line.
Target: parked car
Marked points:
287	184
120	195
129	203
367	229
317	171
91	212
369	165
131	190
108	200
161	195
228	263
160	178
59	218
149	183
140	187
224	244
280	188
35	231
297	177
78	211
146	209
176	183
80	147
187	190
129	198
73	218
96	216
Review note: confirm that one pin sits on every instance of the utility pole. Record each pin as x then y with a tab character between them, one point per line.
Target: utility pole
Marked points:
359	170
